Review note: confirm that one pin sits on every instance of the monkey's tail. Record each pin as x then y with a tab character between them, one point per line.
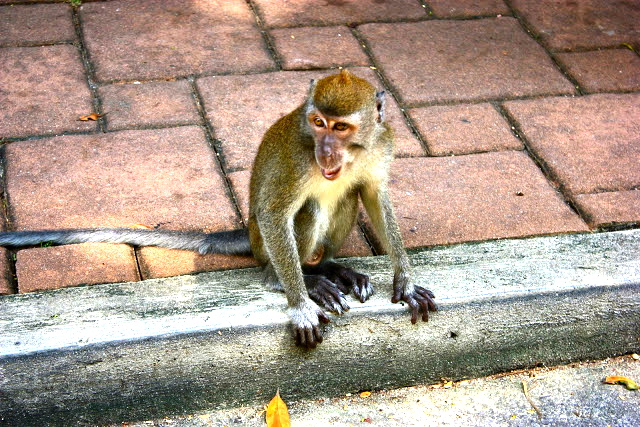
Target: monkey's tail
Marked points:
233	242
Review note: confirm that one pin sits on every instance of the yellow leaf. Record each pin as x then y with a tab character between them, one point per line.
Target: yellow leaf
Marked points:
627	382
92	116
365	394
277	413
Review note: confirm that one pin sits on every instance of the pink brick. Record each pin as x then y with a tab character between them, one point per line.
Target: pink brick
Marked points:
444	200
467	8
440	61
38	23
590	144
295	13
463	129
44	91
571	24
299	47
149	104
604	70
167	38
613	208
57	267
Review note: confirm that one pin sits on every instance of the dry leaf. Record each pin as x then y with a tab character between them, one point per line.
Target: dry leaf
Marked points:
627	382
365	394
143	226
277	413
92	116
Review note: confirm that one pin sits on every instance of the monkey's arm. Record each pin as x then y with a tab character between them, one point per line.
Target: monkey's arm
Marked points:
279	241
380	210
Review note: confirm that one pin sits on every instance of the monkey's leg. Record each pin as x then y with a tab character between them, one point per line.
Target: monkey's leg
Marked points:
344	278
347	279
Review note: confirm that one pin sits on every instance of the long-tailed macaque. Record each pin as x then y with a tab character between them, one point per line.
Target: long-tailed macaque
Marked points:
311	167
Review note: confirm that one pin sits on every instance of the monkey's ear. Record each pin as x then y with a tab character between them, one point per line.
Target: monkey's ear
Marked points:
309	103
380	101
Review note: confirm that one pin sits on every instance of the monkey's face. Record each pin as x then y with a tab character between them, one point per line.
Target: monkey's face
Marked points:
334	141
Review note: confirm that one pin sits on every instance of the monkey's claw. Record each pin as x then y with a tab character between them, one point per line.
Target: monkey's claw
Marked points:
420	299
306	325
326	294
346	279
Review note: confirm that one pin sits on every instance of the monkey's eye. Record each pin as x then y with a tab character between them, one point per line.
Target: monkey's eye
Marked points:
318	122
341	126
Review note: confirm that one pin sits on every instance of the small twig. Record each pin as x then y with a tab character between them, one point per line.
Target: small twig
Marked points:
525	390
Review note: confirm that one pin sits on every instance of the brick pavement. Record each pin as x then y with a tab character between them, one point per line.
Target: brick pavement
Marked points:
513	118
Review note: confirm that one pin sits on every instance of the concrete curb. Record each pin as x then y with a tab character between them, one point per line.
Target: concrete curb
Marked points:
140	350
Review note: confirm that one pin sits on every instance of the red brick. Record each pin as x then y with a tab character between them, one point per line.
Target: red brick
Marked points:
355	244
590	144
90	263
602	209
439	61
242	108
444	200
603	70
38	23
295	13
463	129
467	8
159	39
571	24
44	91
149	104
118	179
160	262
300	49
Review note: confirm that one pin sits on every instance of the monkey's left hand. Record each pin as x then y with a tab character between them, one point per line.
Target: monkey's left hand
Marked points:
417	297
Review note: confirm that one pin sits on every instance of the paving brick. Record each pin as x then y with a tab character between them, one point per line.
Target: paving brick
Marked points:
354	245
300	49
149	104
242	108
618	207
464	129
296	13
440	61
590	144
118	179
90	263
570	24
159	39
159	262
603	70
38	23
444	200
44	91
467	8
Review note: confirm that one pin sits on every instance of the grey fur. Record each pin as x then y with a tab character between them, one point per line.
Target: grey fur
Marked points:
234	242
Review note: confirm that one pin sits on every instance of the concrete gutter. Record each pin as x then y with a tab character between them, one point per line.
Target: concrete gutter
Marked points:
168	346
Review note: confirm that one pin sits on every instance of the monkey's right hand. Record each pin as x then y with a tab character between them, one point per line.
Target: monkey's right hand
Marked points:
325	293
306	320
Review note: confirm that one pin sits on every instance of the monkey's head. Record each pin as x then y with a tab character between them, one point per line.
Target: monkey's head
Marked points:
342	114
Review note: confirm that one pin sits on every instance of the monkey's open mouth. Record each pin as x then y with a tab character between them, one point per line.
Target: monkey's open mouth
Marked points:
331	174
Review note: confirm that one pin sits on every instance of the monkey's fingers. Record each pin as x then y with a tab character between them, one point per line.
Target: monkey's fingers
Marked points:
326	294
308	337
363	289
427	296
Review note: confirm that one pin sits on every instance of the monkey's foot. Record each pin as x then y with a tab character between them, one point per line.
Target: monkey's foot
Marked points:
306	324
326	294
346	279
418	299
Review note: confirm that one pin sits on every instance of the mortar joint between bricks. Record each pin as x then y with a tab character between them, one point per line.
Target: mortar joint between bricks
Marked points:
89	70
390	90
216	147
266	35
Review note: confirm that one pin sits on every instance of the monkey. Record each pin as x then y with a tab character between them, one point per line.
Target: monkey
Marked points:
311	169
